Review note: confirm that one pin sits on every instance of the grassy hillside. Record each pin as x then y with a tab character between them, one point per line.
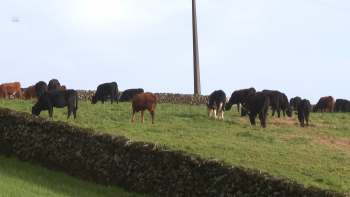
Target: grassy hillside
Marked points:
318	155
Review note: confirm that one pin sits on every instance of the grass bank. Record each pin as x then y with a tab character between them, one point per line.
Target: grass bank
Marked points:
318	155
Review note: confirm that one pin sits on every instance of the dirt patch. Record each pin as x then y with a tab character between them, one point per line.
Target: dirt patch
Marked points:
338	143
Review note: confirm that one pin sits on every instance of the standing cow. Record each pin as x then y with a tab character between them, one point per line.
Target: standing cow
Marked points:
57	98
54	84
104	90
324	103
239	97
40	88
257	103
342	105
127	95
7	89
278	101
30	93
304	109
219	98
142	102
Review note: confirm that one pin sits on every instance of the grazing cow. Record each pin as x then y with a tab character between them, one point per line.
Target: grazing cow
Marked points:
257	103
294	102
304	109
219	97
342	105
239	97
54	84
10	89
278	101
324	103
127	95
142	102
104	90
30	93
57	98
63	87
40	88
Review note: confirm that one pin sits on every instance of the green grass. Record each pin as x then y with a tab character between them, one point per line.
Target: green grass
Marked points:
24	179
318	155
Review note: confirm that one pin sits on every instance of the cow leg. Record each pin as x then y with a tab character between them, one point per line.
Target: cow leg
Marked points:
273	112
278	112
69	111
143	116
153	114
215	114
74	112
133	115
307	120
283	113
50	111
238	107
222	113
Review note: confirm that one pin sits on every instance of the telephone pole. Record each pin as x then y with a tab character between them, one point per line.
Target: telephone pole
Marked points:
197	82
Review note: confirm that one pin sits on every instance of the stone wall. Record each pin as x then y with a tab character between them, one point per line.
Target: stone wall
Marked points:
136	166
187	99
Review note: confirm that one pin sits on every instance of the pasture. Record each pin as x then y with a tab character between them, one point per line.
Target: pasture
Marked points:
318	155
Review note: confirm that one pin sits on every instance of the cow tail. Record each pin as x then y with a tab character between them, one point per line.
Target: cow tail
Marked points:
76	101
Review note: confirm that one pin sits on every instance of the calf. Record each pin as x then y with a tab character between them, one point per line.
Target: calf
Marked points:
54	84
304	109
63	87
324	103
104	90
239	97
142	102
10	89
218	97
30	93
59	99
257	103
127	95
40	88
342	105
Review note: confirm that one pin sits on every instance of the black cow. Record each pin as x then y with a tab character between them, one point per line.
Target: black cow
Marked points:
40	88
104	90
342	105
278	101
54	84
127	95
257	103
294	102
57	98
219	97
304	109
239	97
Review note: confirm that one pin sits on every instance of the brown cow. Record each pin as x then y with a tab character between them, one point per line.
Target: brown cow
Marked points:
30	93
324	103
142	102
63	87
10	89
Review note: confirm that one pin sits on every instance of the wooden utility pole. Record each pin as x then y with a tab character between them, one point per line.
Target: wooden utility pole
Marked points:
197	82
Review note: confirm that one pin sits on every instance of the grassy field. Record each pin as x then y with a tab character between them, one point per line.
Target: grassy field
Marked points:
24	179
318	155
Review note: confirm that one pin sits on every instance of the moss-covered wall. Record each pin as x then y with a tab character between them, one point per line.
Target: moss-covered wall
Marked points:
137	166
187	99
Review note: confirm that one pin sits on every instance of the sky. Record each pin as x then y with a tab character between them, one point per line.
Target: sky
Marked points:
299	47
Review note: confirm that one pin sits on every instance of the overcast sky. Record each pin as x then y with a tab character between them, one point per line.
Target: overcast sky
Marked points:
299	47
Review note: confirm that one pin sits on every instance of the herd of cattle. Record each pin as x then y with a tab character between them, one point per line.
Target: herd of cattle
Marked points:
55	95
258	103
253	103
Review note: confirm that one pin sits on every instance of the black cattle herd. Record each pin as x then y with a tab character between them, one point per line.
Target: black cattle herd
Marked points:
258	103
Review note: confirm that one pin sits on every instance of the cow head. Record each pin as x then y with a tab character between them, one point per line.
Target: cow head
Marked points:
36	110
228	106
94	100
289	112
209	110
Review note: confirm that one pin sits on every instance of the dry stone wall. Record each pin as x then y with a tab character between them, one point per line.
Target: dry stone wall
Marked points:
136	166
186	99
